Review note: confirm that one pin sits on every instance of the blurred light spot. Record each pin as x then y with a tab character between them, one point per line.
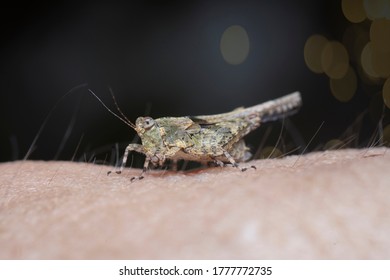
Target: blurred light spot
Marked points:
335	60
312	52
380	37
234	44
344	89
380	34
377	9
380	61
366	61
270	152
386	93
334	144
386	135
353	10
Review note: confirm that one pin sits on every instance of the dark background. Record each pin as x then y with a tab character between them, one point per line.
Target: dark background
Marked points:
163	59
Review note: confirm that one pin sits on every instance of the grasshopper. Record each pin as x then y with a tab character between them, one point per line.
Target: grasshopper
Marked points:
207	138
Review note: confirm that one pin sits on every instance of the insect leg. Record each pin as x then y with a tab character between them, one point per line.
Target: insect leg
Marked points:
234	163
141	176
131	147
230	158
219	163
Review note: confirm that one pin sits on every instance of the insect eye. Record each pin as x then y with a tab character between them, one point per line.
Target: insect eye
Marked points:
148	123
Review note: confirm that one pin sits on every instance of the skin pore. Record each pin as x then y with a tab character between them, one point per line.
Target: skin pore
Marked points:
323	205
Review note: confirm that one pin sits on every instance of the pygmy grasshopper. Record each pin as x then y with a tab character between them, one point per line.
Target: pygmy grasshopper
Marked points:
209	138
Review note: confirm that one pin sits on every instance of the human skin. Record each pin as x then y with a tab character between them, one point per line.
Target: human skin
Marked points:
323	205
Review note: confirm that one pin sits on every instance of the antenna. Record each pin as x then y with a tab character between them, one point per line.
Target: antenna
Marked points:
124	119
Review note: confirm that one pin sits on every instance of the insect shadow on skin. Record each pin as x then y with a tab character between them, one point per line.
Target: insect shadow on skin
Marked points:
208	138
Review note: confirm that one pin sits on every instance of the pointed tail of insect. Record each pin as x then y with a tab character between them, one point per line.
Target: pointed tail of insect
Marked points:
268	111
279	108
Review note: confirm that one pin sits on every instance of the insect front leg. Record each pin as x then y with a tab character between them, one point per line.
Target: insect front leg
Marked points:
141	176
131	147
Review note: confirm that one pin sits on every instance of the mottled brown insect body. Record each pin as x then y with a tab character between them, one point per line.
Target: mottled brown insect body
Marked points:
209	138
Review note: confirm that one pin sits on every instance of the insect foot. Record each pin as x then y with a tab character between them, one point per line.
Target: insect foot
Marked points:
136	178
117	172
236	165
246	168
140	177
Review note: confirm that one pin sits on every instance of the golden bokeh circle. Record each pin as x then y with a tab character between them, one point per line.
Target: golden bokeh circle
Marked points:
234	44
380	47
353	10
380	61
344	89
312	52
377	9
335	60
366	61
380	34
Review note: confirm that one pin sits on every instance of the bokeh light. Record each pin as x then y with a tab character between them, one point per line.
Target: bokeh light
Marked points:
380	61
380	33
353	10
377	9
366	61
335	60
344	89
386	93
360	63
312	52
380	38
234	44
